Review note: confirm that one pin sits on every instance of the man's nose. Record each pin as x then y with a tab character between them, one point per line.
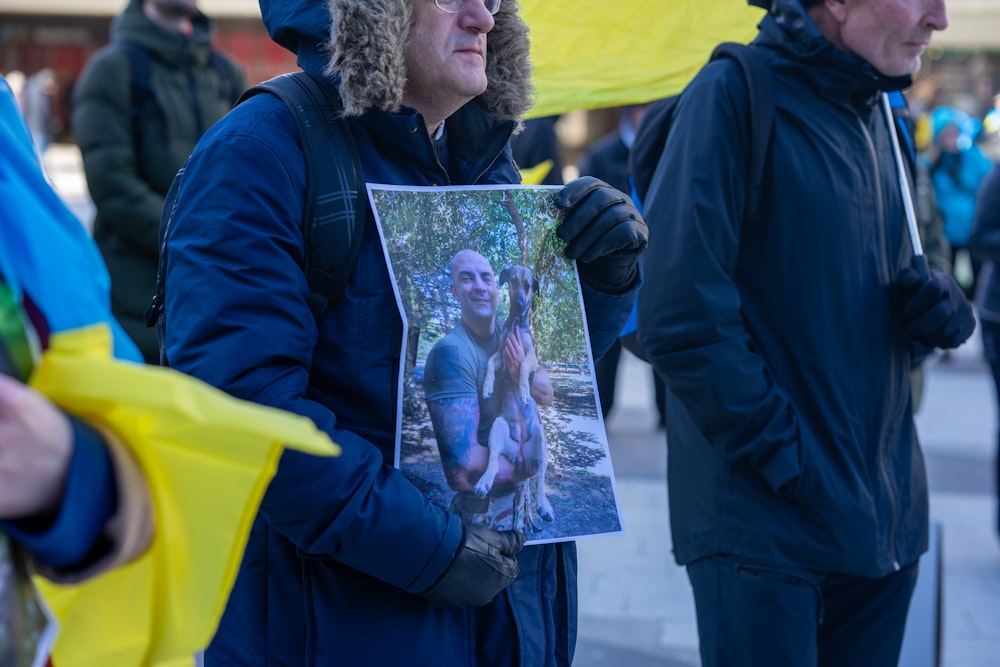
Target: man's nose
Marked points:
936	16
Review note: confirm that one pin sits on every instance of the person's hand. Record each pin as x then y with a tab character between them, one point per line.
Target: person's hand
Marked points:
604	233
513	352
36	444
485	564
935	311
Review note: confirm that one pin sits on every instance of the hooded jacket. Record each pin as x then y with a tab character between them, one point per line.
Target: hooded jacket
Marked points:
340	547
790	429
130	161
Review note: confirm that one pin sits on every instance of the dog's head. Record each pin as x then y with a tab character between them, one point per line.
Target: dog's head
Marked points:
521	286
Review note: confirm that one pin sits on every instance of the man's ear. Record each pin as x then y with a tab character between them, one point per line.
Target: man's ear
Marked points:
837	9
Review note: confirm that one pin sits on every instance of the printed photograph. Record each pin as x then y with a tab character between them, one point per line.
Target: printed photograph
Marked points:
498	415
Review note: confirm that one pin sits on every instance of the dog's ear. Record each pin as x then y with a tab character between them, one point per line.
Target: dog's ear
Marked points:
534	284
504	275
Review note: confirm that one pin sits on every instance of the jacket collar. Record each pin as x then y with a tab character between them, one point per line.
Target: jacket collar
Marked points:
788	30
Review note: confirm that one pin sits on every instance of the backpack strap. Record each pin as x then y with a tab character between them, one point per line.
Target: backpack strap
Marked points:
760	87
651	135
335	207
142	99
336	201
227	84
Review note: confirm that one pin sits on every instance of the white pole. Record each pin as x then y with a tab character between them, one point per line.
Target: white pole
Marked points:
904	182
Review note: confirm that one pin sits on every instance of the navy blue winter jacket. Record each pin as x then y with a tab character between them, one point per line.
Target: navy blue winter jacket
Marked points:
340	546
790	430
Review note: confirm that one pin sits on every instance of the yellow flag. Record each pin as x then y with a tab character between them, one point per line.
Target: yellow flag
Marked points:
535	175
589	54
207	458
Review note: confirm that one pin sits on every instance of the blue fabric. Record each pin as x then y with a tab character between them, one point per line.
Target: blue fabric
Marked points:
44	250
760	615
781	340
76	530
46	255
956	178
340	546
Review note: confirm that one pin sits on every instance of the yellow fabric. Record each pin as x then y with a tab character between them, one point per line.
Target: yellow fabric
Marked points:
589	54
207	458
535	175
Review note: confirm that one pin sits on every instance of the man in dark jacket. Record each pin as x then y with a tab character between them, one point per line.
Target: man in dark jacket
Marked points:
798	496
139	108
348	563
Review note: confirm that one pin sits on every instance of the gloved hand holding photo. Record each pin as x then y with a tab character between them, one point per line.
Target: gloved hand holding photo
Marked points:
484	565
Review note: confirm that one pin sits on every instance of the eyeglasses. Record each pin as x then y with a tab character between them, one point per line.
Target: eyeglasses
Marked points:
455	6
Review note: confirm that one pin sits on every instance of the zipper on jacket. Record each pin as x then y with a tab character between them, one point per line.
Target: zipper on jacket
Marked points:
496	157
893	366
429	143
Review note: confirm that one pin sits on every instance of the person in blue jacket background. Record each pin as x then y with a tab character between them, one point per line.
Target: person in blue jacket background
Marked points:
347	562
797	489
957	170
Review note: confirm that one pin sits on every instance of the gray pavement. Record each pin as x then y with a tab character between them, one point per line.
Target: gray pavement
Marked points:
636	608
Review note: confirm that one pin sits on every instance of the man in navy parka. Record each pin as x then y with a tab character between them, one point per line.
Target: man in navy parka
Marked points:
347	558
798	496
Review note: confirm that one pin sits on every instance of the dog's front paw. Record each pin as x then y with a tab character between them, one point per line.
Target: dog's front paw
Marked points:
545	509
483	488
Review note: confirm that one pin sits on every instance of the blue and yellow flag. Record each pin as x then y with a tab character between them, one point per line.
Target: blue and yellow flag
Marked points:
207	457
589	54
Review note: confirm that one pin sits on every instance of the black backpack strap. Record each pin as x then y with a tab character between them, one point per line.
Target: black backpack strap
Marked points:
142	98
760	87
227	84
336	201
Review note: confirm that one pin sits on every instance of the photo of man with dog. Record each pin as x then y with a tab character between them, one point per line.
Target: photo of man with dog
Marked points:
499	420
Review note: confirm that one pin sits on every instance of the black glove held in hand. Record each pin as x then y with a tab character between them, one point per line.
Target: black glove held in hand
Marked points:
603	231
484	565
936	312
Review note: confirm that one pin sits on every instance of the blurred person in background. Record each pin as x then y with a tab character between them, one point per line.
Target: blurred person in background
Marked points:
139	107
985	245
607	159
958	167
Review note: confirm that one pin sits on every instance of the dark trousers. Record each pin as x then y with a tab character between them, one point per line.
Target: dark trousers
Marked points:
991	350
756	615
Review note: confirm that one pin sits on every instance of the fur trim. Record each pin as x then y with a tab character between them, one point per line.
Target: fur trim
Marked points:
366	51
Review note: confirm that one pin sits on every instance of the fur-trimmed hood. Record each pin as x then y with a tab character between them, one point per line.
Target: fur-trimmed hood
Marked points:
360	42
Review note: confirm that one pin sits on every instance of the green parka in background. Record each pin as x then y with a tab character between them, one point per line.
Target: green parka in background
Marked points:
135	134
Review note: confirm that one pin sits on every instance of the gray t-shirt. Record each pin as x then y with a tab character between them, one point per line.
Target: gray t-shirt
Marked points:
456	368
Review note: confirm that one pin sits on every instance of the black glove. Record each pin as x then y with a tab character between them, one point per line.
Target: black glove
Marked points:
603	231
935	310
484	565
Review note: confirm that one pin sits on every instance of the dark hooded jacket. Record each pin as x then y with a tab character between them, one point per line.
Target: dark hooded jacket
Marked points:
790	429
341	546
130	161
